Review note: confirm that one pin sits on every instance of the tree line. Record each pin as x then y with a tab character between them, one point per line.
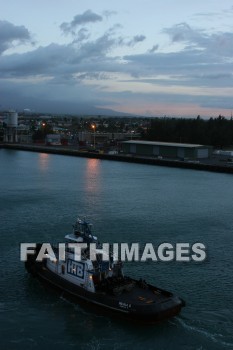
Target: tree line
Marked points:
217	132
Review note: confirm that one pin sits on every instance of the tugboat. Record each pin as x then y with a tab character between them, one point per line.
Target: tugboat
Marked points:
102	283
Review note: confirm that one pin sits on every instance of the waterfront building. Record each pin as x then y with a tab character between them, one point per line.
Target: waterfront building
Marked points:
166	149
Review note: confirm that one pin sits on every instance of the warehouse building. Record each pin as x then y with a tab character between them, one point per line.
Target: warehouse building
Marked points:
166	149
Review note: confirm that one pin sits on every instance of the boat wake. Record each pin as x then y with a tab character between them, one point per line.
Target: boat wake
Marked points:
215	337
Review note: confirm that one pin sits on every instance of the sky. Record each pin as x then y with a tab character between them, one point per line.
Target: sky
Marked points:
149	58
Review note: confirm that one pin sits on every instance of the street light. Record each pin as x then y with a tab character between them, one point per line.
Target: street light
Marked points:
93	127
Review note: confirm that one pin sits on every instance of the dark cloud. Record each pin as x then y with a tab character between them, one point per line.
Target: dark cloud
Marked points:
126	42
183	68
154	48
11	34
136	39
169	63
62	62
184	33
78	20
97	48
205	60
216	43
41	61
83	34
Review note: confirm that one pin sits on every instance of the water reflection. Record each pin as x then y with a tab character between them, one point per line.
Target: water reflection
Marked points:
92	175
43	161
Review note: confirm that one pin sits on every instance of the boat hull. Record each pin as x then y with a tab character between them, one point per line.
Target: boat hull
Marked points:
164	308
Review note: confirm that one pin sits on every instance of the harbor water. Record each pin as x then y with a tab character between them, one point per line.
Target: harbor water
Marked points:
41	196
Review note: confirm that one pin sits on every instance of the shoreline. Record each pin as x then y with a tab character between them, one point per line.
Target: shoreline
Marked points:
120	157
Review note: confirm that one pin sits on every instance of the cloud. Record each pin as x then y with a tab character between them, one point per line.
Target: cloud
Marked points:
136	39
78	20
182	32
87	66
108	13
41	61
11	34
82	35
63	62
203	59
183	68
154	48
220	15
217	43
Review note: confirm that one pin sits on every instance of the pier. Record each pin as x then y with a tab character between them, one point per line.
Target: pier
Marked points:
213	167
